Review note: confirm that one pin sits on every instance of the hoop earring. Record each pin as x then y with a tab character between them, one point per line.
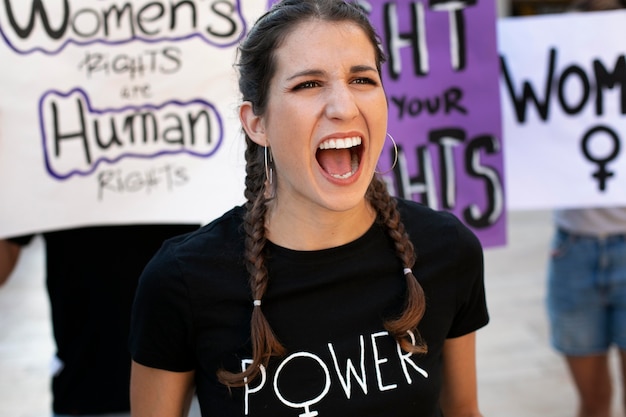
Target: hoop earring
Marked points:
395	157
268	164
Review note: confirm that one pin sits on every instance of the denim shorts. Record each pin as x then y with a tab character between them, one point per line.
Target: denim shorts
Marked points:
586	296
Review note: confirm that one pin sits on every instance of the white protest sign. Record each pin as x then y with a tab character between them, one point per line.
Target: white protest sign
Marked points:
563	93
119	111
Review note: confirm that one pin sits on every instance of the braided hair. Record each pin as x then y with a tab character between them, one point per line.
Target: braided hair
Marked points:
256	67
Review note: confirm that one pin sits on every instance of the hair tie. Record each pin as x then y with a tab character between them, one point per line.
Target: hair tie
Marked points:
257	303
407	271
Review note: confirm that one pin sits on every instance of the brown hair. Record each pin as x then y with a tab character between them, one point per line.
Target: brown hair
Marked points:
256	68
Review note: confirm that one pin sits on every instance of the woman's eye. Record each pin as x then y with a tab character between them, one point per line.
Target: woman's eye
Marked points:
306	84
364	80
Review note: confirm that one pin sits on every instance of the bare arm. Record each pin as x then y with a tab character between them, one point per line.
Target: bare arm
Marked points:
158	393
459	394
9	254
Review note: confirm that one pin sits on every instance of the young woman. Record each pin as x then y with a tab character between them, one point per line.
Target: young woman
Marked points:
308	300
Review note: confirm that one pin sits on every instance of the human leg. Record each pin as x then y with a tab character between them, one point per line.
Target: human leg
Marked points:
622	359
592	379
618	311
579	319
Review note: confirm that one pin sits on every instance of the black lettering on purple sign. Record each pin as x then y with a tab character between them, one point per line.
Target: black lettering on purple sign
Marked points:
448	102
422	186
446	140
415	38
458	37
494	195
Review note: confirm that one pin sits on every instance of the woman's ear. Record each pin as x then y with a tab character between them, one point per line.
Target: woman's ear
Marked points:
253	125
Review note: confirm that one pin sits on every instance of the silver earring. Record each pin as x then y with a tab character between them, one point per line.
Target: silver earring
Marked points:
395	157
268	164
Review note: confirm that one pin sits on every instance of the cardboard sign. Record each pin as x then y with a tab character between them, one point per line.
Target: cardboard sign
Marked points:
444	108
117	112
563	90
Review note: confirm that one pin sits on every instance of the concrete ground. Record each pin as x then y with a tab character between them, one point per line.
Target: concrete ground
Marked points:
518	373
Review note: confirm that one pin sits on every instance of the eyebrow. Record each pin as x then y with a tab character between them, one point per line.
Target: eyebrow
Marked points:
316	73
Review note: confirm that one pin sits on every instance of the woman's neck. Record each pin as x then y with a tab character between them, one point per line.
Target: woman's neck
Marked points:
318	229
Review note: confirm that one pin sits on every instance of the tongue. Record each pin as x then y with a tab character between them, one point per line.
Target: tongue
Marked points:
335	161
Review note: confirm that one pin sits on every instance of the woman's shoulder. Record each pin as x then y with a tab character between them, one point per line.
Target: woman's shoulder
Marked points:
425	223
418	213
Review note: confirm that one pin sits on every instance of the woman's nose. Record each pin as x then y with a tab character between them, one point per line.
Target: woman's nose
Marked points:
341	103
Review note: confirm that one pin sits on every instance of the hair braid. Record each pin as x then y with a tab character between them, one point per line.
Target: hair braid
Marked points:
264	342
404	327
257	66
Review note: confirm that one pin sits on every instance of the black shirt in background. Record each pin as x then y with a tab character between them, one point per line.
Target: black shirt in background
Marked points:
91	276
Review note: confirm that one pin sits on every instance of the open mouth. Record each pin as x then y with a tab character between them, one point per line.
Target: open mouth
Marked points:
340	157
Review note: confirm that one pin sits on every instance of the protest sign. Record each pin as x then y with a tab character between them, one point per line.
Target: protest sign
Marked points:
126	112
118	112
563	105
444	108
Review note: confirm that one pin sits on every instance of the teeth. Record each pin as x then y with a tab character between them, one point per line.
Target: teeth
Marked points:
341	143
354	165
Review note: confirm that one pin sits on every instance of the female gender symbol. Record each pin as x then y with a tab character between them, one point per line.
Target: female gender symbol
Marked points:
307	403
602	174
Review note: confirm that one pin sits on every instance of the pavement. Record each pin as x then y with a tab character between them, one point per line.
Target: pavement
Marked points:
519	375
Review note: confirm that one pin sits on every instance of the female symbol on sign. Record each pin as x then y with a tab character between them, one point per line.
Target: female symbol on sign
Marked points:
602	174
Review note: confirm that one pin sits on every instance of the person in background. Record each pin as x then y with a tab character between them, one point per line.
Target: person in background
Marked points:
91	277
586	295
586	300
9	254
322	294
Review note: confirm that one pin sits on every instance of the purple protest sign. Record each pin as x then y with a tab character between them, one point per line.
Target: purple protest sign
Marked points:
442	85
441	80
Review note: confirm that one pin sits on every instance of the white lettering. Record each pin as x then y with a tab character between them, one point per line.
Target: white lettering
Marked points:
347	370
406	357
378	361
305	404
350	370
244	365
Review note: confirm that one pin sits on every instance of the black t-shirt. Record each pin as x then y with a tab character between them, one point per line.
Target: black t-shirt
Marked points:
91	277
193	305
